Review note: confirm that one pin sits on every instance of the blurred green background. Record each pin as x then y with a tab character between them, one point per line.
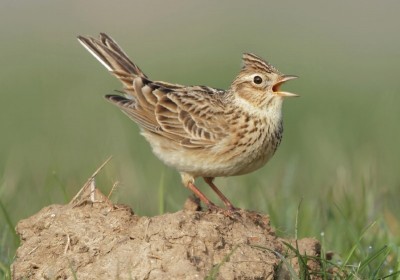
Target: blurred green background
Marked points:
340	153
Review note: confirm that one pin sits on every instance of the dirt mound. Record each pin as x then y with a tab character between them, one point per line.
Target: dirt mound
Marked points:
90	238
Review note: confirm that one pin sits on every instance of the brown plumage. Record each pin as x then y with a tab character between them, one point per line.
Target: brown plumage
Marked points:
199	130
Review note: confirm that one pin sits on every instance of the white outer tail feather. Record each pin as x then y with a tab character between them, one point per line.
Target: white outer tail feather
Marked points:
95	55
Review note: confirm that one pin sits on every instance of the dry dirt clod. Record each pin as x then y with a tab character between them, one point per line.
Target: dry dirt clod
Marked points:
90	239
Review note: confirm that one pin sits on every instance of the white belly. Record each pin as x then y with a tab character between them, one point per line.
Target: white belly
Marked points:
209	163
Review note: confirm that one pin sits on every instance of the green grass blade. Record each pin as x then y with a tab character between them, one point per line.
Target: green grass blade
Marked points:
10	224
5	272
383	253
397	273
293	274
161	194
72	270
297	220
352	250
302	260
215	269
62	186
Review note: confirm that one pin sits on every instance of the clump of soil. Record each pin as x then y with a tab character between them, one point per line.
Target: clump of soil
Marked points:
91	238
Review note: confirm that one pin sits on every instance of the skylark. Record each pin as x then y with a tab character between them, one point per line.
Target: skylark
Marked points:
199	130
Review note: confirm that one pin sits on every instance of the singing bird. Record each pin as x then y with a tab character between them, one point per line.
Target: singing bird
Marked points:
199	130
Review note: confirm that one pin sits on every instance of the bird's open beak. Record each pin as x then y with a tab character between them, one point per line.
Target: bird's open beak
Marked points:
277	86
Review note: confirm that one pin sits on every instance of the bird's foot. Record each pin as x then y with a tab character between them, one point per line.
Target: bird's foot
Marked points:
212	208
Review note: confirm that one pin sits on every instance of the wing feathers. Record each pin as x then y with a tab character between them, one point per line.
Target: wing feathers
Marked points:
131	109
185	115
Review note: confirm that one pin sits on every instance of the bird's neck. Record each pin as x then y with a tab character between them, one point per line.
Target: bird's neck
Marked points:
271	110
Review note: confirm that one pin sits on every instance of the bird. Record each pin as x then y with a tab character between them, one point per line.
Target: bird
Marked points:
201	131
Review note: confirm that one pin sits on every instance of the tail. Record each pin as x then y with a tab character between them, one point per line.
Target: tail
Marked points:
107	51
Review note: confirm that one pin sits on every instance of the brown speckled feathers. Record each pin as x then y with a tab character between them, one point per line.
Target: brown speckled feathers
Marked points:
199	130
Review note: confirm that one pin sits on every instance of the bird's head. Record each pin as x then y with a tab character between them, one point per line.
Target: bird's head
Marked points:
259	83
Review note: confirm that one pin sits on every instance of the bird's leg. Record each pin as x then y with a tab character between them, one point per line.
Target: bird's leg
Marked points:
228	204
188	181
210	205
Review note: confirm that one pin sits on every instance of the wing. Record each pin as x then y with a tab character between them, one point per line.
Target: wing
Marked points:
190	116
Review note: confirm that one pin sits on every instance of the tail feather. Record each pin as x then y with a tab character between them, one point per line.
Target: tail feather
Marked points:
107	51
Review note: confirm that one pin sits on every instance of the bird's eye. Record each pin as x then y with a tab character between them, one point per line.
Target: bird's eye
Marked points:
257	80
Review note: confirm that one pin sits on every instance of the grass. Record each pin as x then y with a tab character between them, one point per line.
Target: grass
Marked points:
372	266
339	154
214	271
366	258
